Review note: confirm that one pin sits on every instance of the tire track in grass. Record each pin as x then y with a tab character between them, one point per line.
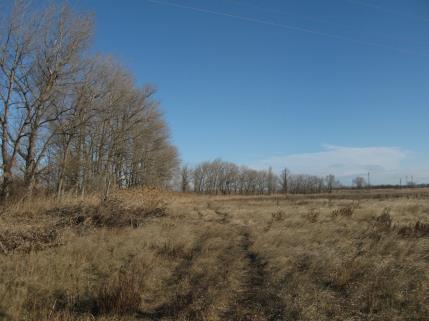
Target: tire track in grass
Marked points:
234	287
195	287
258	300
182	299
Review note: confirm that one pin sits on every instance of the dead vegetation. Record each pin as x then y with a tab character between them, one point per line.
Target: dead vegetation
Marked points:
419	229
112	213
138	257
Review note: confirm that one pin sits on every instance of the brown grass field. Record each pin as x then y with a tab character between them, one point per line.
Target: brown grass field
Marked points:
145	255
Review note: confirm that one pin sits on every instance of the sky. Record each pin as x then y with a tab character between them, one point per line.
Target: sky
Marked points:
321	87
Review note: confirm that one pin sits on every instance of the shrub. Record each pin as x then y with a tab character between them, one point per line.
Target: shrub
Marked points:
343	211
313	215
385	219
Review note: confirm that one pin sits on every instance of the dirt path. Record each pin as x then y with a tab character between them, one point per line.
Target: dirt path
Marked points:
183	302
258	301
228	282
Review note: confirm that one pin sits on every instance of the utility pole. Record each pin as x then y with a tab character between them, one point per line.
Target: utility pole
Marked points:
369	184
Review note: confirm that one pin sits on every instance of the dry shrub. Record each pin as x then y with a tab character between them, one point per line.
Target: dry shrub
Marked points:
119	295
278	216
28	240
385	222
385	219
38	223
111	213
149	199
343	212
406	231
418	230
312	216
344	274
421	229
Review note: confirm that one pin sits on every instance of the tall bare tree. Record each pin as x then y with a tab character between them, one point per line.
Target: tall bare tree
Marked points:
284	178
185	178
69	120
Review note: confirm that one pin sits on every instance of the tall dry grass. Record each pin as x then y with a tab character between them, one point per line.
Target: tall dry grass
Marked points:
151	255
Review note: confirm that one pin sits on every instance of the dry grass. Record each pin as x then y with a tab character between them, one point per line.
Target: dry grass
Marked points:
149	255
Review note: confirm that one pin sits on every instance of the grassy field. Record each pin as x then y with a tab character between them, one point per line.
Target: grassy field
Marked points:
148	256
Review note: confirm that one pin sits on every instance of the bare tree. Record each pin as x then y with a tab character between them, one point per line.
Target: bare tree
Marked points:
39	59
16	45
69	120
284	178
271	181
330	182
185	178
359	182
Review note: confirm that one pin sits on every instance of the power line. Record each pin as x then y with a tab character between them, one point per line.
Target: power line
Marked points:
282	12
381	9
281	25
324	21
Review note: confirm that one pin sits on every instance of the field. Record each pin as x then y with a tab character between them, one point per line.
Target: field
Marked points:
145	255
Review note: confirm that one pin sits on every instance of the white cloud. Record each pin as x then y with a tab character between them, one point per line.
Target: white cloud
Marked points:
384	163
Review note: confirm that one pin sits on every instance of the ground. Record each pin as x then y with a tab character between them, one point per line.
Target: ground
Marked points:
146	255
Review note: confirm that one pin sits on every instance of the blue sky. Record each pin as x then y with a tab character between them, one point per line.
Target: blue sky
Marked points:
337	86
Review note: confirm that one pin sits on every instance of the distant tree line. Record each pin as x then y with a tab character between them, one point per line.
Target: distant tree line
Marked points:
71	121
221	177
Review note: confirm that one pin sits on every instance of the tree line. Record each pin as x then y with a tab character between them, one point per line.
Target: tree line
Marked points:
221	177
70	120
